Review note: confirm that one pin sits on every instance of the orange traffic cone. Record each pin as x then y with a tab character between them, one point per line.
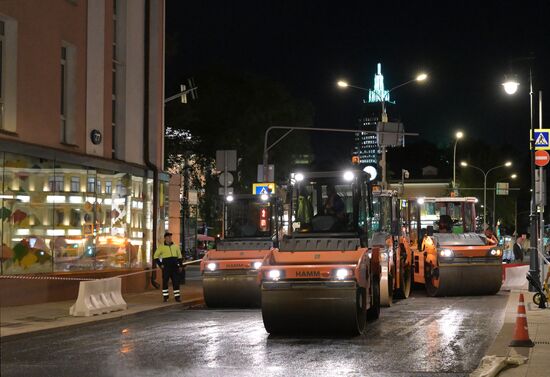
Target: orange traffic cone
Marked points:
521	333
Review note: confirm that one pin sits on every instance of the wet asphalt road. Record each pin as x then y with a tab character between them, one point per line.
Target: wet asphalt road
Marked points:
420	336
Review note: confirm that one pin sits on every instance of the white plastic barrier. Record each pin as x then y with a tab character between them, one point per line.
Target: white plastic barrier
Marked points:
98	297
515	278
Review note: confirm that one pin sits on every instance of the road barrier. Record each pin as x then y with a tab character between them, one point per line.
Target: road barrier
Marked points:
98	297
514	277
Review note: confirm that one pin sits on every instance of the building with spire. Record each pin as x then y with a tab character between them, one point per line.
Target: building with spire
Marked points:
366	145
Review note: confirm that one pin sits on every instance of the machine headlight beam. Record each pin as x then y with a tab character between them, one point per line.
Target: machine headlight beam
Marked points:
212	266
274	275
446	253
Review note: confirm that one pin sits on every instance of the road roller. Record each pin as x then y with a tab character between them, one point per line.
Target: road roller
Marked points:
230	271
449	257
387	234
321	278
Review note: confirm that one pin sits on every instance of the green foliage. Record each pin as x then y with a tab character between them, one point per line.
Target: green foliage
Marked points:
232	112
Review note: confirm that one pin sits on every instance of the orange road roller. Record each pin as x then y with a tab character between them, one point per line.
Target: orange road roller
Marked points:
321	278
387	234
450	257
230	271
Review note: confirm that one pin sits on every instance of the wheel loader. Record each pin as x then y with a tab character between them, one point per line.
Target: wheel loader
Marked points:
322	279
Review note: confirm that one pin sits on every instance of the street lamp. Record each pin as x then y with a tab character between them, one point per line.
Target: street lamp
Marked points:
511	86
485	174
459	135
384	116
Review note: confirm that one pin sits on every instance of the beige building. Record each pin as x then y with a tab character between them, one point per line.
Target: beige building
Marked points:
82	188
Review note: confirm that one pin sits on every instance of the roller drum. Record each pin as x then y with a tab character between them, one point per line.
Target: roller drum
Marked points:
235	289
315	307
467	280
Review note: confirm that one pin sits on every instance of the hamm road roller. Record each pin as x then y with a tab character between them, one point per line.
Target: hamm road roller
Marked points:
230	271
450	258
386	234
321	279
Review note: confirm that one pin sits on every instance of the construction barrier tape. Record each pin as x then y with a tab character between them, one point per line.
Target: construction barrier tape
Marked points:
34	277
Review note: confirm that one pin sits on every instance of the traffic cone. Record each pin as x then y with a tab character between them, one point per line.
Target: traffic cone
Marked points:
521	333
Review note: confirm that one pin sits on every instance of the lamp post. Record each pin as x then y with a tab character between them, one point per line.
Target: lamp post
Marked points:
384	116
511	86
459	135
485	174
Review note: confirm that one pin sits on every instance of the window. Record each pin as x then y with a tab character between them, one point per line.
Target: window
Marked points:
108	187
56	183
75	184
98	186
91	184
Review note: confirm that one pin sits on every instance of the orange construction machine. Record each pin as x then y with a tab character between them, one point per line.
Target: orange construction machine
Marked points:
450	258
321	278
386	234
230	271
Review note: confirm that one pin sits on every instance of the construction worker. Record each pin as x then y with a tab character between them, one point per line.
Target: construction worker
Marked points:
168	258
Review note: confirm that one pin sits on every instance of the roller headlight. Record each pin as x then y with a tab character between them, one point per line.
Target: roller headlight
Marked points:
212	266
342	273
257	265
274	274
446	253
495	252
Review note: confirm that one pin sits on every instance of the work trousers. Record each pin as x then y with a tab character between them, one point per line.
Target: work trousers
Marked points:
170	272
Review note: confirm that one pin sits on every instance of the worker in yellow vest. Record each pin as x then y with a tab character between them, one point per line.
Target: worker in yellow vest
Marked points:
168	258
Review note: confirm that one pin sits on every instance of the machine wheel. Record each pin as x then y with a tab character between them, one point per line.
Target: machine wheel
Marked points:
374	311
536	298
405	283
431	289
361	310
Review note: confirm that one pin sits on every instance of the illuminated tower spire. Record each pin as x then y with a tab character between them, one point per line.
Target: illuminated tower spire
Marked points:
376	94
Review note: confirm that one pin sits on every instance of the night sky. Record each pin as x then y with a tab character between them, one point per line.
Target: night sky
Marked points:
465	46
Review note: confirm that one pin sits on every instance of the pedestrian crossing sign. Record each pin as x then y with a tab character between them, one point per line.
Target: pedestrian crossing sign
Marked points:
263	188
542	139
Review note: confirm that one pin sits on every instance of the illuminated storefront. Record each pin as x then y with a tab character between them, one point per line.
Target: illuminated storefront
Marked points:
61	217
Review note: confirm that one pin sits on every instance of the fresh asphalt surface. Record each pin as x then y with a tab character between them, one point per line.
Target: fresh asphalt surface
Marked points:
420	336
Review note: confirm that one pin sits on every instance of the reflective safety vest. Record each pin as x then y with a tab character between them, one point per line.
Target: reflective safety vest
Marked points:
167	251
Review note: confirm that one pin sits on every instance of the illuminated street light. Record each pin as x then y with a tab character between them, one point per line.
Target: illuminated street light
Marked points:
421	77
459	135
514	176
485	174
342	84
510	86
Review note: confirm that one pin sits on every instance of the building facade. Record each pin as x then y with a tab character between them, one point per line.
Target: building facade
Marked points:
81	134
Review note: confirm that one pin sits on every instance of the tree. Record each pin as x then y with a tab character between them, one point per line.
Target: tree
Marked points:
232	112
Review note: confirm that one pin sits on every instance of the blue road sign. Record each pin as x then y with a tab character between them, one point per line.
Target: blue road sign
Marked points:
542	139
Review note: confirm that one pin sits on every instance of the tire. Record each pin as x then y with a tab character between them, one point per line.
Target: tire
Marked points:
406	277
361	307
373	312
430	288
536	298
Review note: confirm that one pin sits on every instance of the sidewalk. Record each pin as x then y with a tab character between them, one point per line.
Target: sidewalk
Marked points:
538	322
17	320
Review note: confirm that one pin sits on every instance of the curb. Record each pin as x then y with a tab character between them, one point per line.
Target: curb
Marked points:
185	304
